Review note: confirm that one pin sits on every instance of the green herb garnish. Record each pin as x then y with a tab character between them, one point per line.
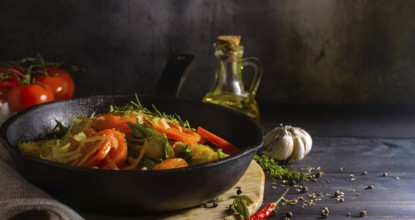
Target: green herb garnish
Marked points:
276	171
136	106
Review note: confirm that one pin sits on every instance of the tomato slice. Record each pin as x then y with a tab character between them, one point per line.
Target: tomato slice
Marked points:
93	154
117	154
109	121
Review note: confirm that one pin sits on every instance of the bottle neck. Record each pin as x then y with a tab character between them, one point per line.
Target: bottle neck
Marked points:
228	73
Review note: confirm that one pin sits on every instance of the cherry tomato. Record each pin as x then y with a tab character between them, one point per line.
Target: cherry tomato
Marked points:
58	86
71	84
22	97
60	81
9	78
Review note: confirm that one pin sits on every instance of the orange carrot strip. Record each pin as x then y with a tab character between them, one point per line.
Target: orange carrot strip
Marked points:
218	141
178	133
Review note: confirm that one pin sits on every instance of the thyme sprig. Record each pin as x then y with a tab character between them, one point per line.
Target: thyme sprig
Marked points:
136	106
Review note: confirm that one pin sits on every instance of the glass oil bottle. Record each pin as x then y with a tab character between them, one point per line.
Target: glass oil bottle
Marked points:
228	88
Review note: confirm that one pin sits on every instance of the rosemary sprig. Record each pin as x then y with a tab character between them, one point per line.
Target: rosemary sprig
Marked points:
132	106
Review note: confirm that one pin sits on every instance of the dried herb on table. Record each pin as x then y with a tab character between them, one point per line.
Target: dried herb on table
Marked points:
276	171
239	205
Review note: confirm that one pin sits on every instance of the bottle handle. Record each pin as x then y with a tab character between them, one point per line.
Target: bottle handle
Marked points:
256	64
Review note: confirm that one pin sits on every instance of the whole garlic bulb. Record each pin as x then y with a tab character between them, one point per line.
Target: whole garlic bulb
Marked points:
287	143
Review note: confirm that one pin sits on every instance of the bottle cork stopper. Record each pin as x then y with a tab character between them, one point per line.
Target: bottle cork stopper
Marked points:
228	45
233	40
230	42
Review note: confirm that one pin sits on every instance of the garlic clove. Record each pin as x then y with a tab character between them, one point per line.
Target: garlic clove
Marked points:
307	140
278	144
270	136
283	146
298	151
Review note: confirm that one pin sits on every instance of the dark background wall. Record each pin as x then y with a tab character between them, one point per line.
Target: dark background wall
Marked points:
320	51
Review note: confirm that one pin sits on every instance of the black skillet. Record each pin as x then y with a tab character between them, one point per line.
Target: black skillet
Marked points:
122	192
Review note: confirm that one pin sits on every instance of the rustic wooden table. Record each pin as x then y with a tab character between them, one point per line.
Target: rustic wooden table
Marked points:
365	152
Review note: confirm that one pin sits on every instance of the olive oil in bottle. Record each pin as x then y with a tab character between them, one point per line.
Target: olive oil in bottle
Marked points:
228	88
243	103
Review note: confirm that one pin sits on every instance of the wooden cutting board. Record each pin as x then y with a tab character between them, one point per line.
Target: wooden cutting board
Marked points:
252	185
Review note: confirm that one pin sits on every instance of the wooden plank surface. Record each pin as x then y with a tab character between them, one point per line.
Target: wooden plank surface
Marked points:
350	165
252	184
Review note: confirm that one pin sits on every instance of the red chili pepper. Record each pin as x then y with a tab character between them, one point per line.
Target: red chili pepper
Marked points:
267	210
264	213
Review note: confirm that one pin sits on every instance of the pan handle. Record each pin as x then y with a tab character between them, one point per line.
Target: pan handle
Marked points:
169	82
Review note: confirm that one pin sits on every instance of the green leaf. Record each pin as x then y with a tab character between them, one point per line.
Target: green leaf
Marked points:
239	207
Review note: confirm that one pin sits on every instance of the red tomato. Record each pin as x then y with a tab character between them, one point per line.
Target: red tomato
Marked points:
9	78
58	86
71	84
23	96
59	81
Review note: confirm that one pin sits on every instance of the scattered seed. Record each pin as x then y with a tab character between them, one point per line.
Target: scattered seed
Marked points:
397	178
364	173
239	191
289	214
339	199
293	182
211	204
292	201
349	214
302	189
325	212
362	213
312	195
384	174
319	174
341	169
339	193
370	187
